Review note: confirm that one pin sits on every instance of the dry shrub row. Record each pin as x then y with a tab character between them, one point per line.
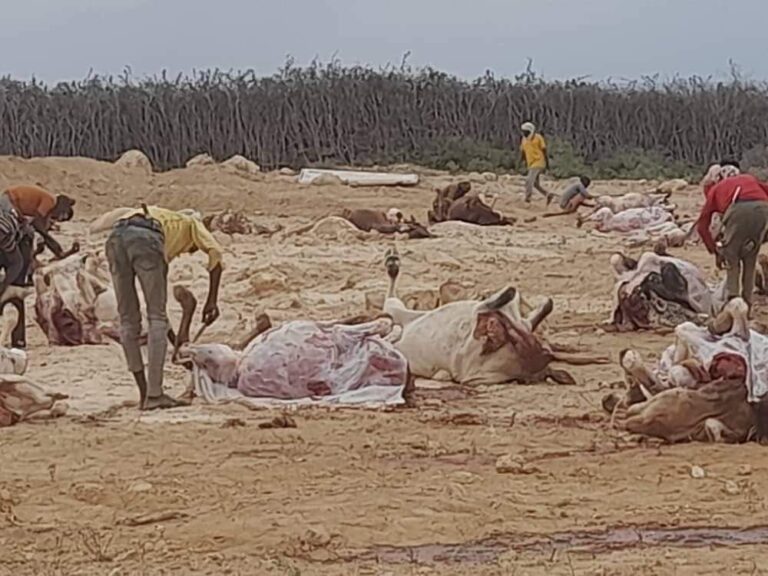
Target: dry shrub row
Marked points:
329	114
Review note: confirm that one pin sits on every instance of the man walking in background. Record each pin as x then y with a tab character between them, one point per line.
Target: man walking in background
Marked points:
141	245
533	151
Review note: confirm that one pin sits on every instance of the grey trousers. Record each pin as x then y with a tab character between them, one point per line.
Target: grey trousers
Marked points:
534	181
136	252
744	227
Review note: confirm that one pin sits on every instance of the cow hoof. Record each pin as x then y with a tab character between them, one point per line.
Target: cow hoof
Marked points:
392	264
561	377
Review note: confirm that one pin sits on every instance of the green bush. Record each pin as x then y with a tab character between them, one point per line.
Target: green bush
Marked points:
641	164
466	155
565	161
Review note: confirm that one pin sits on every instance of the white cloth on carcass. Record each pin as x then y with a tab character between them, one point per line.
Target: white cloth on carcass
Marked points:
304	362
704	346
630	220
703	298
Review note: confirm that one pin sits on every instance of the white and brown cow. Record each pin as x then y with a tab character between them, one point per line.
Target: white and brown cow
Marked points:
703	386
75	302
476	342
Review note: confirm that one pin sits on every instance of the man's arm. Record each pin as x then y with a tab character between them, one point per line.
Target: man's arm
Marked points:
546	153
705	219
41	225
205	242
211	308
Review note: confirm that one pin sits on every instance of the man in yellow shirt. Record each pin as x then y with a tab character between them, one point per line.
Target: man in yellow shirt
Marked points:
533	149
140	246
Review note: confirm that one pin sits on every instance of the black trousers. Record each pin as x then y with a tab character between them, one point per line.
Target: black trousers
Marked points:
18	263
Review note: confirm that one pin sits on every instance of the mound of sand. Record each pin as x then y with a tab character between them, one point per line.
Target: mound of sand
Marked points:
135	160
201	160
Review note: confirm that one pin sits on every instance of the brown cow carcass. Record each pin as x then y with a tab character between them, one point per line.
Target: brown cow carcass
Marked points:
703	386
75	302
458	202
389	222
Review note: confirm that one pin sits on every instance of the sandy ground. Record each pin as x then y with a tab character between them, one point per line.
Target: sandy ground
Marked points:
204	490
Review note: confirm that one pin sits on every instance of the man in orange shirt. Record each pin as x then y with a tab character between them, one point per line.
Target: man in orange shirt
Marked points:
42	209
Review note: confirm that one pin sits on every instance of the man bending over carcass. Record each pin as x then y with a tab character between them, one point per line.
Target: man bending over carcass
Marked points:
141	245
41	208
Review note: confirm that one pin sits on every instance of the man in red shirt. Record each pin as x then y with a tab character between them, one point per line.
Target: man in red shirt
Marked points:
743	201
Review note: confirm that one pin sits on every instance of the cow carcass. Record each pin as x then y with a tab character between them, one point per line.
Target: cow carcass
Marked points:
389	222
75	302
631	200
660	291
20	397
471	342
702	387
627	221
298	362
457	202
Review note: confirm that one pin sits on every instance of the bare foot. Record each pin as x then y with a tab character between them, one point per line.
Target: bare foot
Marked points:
162	402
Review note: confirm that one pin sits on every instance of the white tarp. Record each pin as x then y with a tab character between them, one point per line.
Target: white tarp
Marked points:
309	175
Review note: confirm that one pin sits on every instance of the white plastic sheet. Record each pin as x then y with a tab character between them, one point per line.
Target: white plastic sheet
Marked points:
309	175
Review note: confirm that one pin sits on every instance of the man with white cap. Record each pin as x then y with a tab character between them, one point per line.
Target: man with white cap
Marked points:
533	149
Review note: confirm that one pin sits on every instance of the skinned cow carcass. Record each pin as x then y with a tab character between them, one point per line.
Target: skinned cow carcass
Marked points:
627	221
631	200
660	291
75	302
471	342
702	387
299	362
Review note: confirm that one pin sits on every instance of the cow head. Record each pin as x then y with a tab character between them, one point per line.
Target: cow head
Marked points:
511	340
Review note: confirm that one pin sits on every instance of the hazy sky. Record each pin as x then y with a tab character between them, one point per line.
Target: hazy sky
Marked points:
62	39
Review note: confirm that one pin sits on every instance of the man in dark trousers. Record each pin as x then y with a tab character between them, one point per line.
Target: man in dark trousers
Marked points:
140	246
15	259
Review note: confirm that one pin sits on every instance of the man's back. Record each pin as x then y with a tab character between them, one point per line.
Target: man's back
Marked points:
31	201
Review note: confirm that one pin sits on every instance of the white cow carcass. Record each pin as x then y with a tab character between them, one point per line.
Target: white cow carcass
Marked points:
75	302
628	221
475	342
630	200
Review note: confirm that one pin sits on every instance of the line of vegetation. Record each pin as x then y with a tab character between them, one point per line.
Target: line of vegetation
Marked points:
328	114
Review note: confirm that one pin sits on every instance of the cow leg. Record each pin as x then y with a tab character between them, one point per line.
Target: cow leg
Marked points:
8	321
637	372
392	264
715	431
263	323
400	315
188	304
733	318
19	331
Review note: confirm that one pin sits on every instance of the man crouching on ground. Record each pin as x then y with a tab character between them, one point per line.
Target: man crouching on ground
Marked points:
142	245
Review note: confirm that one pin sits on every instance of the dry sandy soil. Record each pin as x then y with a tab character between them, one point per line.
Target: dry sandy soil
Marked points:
204	490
